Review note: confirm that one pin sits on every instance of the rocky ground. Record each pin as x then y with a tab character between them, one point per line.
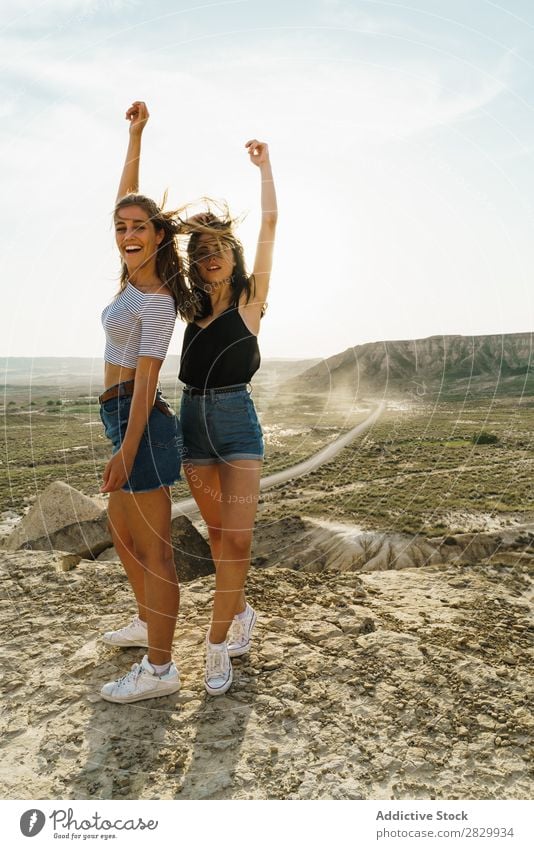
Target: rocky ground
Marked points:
370	677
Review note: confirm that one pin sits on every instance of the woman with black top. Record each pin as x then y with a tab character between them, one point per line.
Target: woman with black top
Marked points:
223	440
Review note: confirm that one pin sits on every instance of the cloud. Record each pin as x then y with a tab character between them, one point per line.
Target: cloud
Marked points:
42	11
339	13
369	100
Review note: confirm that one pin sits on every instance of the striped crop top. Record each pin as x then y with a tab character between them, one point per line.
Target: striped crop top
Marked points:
138	324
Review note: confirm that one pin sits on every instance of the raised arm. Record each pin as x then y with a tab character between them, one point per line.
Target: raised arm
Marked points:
259	155
137	115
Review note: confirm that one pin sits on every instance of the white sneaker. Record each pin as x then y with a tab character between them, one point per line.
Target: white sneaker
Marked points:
134	634
141	683
219	673
239	636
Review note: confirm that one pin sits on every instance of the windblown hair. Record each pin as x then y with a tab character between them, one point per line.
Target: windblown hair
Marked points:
221	229
168	262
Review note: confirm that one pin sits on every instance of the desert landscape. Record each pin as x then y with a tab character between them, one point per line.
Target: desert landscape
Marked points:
393	583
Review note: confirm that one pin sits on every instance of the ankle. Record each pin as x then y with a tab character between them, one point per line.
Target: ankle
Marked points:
160	668
215	643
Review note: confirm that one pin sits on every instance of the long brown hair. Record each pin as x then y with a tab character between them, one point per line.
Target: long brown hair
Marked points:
221	228
168	262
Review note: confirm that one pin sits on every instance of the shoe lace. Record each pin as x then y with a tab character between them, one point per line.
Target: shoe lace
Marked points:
131	676
215	663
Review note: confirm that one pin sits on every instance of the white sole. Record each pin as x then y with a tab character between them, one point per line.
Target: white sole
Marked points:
240	651
148	695
123	644
220	691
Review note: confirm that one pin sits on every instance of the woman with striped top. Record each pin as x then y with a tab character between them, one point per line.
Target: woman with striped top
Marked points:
144	431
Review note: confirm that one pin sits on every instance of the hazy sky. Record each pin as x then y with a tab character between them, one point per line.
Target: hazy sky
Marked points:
401	137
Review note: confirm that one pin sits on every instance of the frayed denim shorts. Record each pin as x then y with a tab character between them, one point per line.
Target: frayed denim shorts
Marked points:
220	426
159	456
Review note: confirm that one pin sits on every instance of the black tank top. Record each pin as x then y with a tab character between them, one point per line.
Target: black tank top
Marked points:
221	354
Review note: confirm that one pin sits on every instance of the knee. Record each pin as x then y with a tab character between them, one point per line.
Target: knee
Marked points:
239	542
157	561
162	571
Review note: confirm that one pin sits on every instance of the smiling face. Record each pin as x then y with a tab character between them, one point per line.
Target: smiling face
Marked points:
213	258
137	238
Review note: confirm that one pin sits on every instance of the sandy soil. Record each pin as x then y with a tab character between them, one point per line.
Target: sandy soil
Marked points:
408	683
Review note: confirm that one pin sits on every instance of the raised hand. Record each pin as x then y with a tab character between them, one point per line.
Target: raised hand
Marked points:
258	151
137	115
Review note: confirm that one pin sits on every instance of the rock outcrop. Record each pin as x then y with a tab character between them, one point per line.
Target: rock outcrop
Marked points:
57	507
192	554
64	520
312	545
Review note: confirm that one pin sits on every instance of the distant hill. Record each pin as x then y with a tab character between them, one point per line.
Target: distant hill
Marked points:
448	366
451	366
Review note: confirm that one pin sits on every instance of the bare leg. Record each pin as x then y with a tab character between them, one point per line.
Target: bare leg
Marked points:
148	518
205	488
205	485
240	484
124	546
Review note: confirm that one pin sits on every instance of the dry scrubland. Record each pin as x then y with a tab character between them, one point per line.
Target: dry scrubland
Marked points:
416	471
63	440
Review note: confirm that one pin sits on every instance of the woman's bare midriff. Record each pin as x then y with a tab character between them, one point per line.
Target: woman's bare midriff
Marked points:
114	374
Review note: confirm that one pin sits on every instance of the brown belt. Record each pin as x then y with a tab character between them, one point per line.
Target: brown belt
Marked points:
127	388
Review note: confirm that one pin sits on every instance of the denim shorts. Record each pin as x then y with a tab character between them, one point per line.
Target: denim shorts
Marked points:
159	456
219	427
